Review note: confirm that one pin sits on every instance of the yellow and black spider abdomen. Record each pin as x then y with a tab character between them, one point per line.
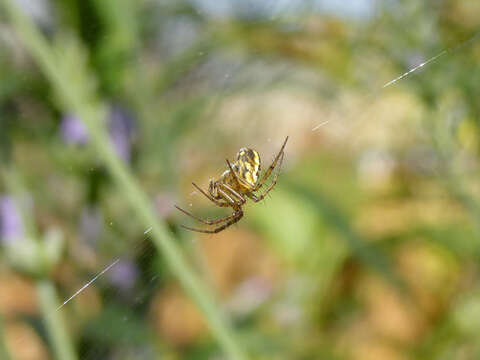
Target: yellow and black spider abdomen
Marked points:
248	165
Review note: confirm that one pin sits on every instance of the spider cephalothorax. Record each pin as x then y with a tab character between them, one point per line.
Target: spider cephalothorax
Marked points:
238	182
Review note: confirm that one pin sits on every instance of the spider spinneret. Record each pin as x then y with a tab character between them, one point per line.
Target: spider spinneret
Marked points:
235	185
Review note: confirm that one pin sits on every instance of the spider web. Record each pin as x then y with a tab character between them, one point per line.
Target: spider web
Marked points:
316	127
141	248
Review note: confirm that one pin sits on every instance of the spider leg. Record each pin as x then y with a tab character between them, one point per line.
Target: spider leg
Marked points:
231	219
209	197
240	181
235	193
270	187
228	198
270	169
237	215
208	222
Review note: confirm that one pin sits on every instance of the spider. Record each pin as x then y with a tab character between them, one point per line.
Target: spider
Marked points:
238	182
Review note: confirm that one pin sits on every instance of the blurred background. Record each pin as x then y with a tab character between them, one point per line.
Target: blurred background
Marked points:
367	249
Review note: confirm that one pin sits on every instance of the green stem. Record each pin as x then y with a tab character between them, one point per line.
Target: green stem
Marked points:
164	241
77	98
57	331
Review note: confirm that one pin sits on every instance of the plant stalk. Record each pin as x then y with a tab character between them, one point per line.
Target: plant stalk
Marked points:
77	98
57	332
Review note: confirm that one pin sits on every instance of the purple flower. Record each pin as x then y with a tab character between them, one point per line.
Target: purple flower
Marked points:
121	128
11	224
124	274
73	130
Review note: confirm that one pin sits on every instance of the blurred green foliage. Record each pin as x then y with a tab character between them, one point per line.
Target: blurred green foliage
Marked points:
367	249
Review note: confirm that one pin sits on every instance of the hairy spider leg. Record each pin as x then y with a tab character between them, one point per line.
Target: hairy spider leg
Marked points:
227	197
238	214
235	193
206	221
270	187
232	219
209	197
270	169
217	202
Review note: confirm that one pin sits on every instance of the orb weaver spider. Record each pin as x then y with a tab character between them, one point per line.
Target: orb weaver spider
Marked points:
237	183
